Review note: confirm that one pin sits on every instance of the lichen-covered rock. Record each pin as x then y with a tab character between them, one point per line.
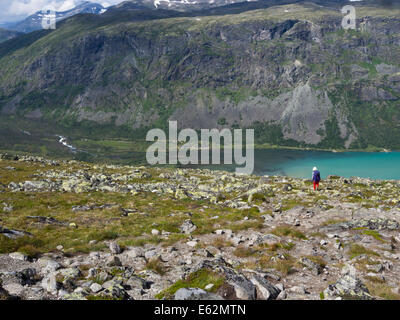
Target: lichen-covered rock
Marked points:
195	294
187	227
348	286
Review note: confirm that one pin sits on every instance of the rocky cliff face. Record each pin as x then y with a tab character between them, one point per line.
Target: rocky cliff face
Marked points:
289	67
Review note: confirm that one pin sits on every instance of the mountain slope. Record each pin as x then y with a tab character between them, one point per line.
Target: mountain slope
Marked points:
7	34
289	71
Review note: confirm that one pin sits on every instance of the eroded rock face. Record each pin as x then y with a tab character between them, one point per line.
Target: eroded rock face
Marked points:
252	58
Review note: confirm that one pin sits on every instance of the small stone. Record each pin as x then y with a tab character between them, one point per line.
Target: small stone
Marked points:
315	268
332	235
323	242
298	290
52	266
266	289
282	295
95	287
155	232
135	252
187	227
209	286
59	247
151	254
195	294
18	256
191	243
337	245
50	283
115	248
113	261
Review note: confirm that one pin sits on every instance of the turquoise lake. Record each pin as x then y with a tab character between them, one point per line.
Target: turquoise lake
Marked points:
299	163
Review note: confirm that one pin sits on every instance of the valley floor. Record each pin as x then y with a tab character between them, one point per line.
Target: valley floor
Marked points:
74	230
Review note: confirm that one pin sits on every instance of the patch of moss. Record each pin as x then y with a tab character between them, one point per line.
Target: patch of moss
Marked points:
289	232
199	279
357	249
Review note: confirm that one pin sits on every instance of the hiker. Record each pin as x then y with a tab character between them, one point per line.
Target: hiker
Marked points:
316	177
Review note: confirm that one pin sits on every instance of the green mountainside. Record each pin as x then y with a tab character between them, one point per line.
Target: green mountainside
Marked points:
291	72
7	34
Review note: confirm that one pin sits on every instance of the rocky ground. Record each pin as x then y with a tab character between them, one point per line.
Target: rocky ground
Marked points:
74	230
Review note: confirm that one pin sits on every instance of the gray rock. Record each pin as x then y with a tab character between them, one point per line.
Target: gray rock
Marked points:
187	227
348	287
137	282
49	265
195	294
265	289
315	268
95	287
150	254
375	267
135	252
50	284
115	290
18	256
70	273
113	261
13	234
244	289
298	290
115	248
282	295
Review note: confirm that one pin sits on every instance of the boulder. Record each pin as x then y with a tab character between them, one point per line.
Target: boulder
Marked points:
195	294
265	289
188	227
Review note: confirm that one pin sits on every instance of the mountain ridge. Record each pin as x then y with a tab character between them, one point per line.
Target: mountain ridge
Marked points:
34	21
271	69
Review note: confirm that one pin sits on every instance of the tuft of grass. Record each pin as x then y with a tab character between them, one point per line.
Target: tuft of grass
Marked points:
374	279
332	221
289	232
220	242
199	279
357	250
244	252
284	266
318	260
375	234
382	290
281	245
100	297
156	265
